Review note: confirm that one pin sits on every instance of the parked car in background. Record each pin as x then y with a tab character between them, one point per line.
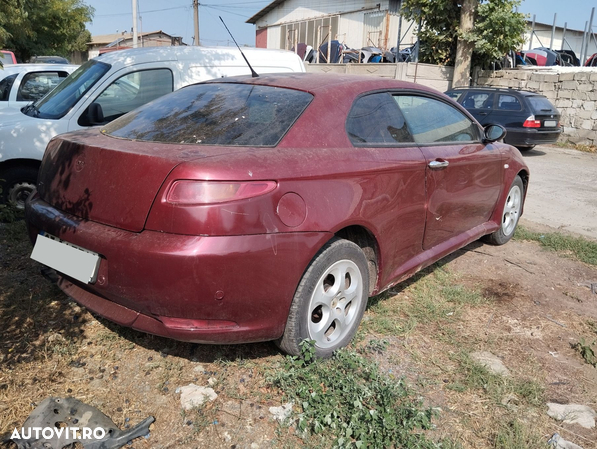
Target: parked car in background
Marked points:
529	118
107	87
544	57
48	60
569	58
591	61
7	58
219	214
21	84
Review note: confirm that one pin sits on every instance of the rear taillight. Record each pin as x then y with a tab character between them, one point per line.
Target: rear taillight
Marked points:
188	193
531	122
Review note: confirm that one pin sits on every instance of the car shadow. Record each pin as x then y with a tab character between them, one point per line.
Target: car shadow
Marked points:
533	153
36	319
202	353
193	352
399	288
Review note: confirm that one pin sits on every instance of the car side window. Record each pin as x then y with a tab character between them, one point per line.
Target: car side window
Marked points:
508	103
5	86
433	121
375	120
36	84
478	100
133	90
454	94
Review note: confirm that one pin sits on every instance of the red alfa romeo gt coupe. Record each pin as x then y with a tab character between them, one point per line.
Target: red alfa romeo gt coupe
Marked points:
269	208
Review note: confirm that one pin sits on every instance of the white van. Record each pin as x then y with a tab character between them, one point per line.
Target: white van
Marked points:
109	86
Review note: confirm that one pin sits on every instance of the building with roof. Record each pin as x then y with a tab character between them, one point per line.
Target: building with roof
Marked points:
120	41
284	23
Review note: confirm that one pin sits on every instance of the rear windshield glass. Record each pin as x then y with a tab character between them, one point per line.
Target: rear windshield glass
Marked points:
541	104
215	114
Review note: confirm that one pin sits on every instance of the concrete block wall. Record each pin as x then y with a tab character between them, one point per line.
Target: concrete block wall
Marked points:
437	77
574	93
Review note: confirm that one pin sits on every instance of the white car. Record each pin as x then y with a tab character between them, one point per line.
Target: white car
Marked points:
20	84
107	87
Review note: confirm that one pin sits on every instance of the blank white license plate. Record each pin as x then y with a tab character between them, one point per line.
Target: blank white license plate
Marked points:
550	123
66	258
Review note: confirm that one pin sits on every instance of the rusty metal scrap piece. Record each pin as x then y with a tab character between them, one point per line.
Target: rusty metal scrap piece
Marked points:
70	413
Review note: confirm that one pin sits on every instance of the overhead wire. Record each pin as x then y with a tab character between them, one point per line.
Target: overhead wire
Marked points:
142	12
227	12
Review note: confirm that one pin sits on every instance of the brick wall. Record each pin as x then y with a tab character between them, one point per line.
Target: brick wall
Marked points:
572	90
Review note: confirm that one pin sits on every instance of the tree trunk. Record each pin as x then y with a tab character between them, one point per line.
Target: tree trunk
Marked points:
464	50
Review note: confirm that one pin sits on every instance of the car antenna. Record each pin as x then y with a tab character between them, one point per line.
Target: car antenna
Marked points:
253	72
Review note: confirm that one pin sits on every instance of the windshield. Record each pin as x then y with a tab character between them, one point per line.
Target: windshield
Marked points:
215	114
60	100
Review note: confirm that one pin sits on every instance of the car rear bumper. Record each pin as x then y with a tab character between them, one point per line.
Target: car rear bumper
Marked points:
217	289
530	136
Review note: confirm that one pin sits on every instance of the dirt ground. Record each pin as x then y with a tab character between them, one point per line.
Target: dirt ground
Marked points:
539	306
569	203
535	305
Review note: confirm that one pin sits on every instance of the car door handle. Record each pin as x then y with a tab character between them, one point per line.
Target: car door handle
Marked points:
436	165
482	113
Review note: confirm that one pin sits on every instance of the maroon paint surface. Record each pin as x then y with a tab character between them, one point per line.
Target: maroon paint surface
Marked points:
227	272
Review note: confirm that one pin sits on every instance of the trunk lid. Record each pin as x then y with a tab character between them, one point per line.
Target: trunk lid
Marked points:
544	111
109	180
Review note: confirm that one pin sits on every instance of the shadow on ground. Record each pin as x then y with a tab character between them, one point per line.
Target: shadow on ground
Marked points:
33	312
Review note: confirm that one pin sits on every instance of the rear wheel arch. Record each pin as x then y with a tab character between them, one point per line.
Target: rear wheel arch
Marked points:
510	213
330	300
365	240
524	175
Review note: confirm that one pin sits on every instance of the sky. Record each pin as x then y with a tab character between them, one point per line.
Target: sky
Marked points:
175	17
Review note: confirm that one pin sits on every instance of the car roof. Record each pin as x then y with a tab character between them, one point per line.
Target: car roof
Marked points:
18	68
199	53
498	89
323	82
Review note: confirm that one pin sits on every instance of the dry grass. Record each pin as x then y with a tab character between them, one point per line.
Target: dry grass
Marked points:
577	146
424	329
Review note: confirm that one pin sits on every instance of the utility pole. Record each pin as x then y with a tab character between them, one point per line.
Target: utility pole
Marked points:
464	49
134	23
196	16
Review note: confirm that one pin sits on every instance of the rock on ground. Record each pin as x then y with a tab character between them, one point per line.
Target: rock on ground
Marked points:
281	413
573	414
194	396
491	362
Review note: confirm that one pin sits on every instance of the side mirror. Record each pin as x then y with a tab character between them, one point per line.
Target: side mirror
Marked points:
493	133
95	114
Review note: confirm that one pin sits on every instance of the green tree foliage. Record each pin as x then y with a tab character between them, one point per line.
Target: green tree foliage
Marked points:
44	27
498	29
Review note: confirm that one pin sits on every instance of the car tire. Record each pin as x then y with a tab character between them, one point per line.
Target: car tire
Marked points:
510	214
526	148
17	183
330	300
